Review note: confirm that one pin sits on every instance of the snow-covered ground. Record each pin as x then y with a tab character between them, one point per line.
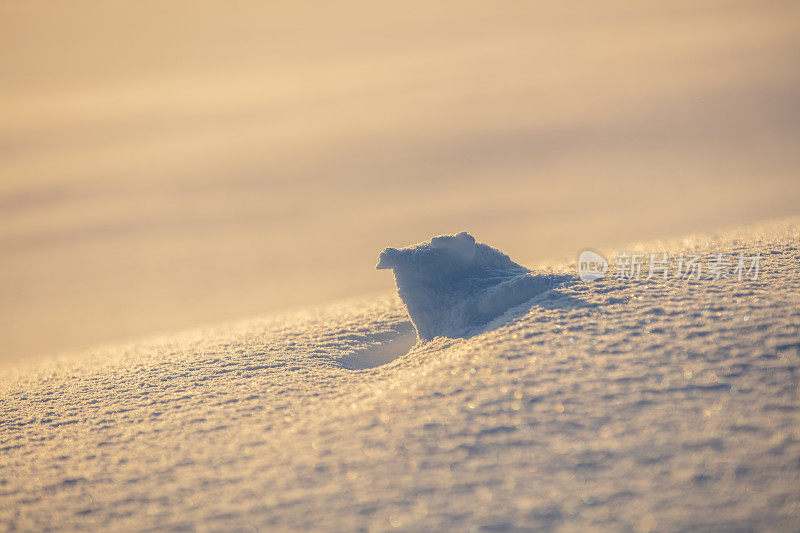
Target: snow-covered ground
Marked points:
169	164
665	405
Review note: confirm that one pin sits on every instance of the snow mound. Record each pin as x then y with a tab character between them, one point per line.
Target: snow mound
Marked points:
616	405
453	284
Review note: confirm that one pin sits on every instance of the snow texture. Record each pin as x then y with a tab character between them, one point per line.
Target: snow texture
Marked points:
662	405
452	284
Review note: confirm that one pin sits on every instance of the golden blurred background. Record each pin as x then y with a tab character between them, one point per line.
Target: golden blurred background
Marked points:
165	164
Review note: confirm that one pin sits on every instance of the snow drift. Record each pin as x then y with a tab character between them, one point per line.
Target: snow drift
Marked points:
452	284
666	405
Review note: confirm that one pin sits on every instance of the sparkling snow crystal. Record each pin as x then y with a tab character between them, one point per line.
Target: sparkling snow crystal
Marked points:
451	284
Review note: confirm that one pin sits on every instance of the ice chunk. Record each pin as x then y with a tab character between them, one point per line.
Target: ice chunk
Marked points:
452	284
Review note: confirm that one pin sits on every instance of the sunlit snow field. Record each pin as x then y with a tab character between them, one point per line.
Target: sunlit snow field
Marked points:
193	197
168	164
666	405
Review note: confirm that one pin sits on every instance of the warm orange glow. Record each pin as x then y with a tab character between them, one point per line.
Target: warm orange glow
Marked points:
162	166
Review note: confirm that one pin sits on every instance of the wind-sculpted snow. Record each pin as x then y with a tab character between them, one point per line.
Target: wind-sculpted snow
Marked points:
452	284
665	405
